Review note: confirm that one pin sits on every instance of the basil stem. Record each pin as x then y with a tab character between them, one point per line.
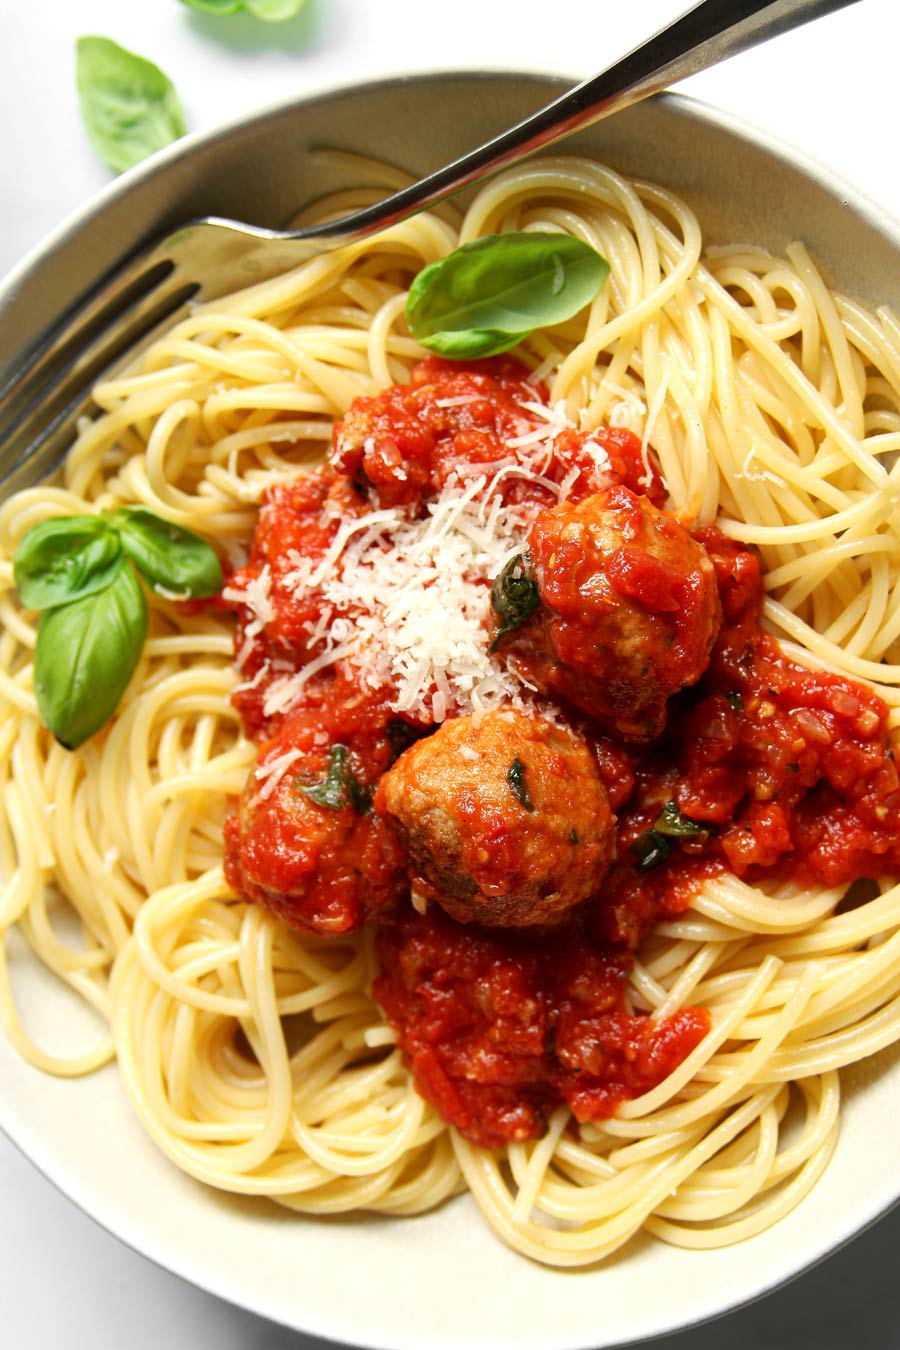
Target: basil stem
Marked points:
490	294
63	559
339	788
169	558
85	655
128	106
516	780
514	595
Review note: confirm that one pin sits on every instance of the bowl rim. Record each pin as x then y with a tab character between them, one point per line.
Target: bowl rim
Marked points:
687	105
863	205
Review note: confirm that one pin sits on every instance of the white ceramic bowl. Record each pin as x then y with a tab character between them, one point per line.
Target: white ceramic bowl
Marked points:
442	1281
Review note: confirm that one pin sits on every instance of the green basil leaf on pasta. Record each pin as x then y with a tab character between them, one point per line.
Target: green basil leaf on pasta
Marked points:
270	11
86	654
64	559
488	295
175	562
128	106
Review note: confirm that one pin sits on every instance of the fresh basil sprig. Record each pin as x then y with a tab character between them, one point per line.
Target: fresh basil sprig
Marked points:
270	11
488	295
128	106
76	570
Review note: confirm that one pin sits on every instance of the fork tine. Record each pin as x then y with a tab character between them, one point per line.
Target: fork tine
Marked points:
93	312
40	434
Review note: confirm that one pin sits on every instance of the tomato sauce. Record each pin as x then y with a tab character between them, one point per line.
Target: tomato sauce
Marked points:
765	770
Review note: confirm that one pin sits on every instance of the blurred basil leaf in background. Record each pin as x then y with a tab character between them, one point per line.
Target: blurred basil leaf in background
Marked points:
128	106
270	11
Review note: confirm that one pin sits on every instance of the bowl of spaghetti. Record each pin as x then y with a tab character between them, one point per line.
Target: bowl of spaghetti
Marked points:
493	884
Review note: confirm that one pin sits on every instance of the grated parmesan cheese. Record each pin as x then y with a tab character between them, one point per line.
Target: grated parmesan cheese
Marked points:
407	602
257	597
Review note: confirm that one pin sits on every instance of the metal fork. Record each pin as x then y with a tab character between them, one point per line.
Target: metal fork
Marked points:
49	387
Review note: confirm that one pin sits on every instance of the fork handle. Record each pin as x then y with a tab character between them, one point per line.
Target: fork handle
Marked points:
700	38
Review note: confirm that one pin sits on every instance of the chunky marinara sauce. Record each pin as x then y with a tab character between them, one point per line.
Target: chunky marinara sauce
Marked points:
754	767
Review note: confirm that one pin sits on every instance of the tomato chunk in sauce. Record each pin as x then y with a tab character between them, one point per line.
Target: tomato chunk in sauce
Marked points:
742	762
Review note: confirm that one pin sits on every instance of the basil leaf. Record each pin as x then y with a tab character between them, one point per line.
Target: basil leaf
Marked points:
171	559
214	6
516	780
64	559
274	11
339	788
514	595
85	655
472	344
672	823
128	106
488	295
270	11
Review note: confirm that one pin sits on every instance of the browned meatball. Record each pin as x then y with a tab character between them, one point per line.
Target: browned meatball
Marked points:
503	817
629	610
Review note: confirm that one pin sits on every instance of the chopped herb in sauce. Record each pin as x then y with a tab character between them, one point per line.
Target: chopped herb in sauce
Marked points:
516	780
735	700
651	850
653	847
514	595
339	788
671	822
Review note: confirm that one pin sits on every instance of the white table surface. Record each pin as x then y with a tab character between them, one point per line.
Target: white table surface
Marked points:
830	88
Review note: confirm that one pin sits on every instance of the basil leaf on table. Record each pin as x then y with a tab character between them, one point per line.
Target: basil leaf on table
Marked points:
85	655
488	295
270	11
128	106
63	559
170	558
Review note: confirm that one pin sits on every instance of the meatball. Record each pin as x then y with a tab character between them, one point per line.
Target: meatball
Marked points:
628	610
304	842
503	817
